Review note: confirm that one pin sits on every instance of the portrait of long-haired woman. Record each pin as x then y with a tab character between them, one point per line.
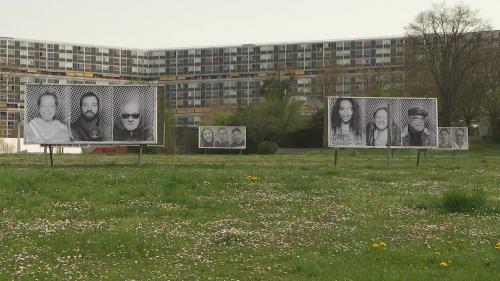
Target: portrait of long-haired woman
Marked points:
383	131
346	125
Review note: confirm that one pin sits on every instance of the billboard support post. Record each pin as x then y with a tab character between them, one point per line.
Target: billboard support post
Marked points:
45	156
389	136
335	161
140	155
425	157
51	160
18	136
388	157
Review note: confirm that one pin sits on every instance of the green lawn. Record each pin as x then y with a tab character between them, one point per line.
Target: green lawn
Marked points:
200	217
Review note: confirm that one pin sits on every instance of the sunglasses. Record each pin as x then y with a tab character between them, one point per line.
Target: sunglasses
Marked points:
127	115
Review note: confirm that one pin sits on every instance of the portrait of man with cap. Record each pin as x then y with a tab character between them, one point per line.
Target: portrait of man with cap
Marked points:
88	126
417	133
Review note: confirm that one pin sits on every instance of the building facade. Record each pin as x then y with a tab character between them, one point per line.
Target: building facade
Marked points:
197	81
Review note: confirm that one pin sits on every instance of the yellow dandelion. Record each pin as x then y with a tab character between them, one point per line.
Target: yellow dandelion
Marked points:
375	245
382	244
443	264
497	245
251	178
167	207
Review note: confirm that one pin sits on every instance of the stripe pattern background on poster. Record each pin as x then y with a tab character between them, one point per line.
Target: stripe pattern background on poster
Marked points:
90	114
223	137
453	138
368	122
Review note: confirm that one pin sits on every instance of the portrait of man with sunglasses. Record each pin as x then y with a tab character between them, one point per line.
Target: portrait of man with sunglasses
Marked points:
130	125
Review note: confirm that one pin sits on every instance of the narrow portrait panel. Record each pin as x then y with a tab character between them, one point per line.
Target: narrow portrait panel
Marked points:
134	110
47	114
346	122
91	114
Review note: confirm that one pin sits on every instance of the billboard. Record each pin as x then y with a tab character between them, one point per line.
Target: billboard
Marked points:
90	114
225	137
369	122
453	138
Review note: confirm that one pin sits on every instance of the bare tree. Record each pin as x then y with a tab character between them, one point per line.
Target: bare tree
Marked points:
326	83
443	40
474	86
491	98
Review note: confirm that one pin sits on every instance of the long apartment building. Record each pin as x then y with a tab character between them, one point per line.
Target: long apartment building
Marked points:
197	80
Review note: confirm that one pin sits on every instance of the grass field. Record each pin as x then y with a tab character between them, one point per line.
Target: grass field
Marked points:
231	217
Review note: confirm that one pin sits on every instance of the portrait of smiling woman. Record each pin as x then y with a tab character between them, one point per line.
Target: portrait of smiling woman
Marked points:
383	131
206	137
45	128
346	124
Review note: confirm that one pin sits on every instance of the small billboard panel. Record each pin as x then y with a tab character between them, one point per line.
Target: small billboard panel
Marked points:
224	137
367	122
90	114
453	138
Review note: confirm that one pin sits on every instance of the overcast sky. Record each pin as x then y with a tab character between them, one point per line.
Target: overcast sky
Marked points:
188	23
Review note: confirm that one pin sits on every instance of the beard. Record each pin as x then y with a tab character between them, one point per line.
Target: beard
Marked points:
89	117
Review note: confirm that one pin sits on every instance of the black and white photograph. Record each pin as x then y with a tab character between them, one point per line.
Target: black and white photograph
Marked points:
381	129
419	123
225	137
453	138
47	114
382	122
134	114
346	122
81	114
91	114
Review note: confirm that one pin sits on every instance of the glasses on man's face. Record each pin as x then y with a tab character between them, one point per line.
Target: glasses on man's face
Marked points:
133	115
417	118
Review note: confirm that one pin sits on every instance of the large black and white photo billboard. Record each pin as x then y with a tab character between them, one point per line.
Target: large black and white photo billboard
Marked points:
382	122
90	114
453	138
225	137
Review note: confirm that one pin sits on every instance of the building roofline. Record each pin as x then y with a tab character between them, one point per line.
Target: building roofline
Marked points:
212	46
71	43
199	46
278	43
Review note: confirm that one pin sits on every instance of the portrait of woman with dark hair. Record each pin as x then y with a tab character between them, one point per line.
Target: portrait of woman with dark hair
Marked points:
377	132
444	138
346	125
206	138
